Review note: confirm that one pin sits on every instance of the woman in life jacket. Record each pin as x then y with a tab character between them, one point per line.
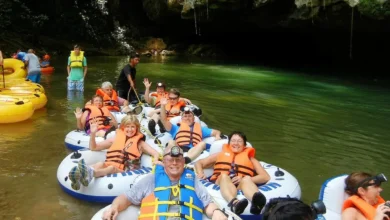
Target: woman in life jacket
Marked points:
173	109
95	111
154	98
236	168
365	202
124	152
111	100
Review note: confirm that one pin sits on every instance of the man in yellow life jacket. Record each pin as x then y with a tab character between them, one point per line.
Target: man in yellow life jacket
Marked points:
365	202
189	134
77	69
172	192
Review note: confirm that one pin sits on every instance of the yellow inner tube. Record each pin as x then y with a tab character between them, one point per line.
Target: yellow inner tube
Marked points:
15	110
38	99
17	66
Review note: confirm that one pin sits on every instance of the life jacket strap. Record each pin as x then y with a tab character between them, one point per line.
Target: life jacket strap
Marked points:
182	203
167	214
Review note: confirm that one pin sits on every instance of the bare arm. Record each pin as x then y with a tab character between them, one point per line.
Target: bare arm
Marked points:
146	148
205	163
85	70
119	204
130	81
68	70
1	58
163	115
349	214
216	134
262	175
147	88
93	146
113	121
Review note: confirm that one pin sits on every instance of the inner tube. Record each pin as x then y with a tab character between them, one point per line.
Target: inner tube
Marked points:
17	66
47	70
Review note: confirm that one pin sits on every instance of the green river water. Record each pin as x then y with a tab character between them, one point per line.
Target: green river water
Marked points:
314	127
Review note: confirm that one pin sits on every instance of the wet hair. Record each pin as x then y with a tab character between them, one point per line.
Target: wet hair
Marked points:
134	55
76	46
106	85
130	119
239	133
287	209
352	181
174	91
96	96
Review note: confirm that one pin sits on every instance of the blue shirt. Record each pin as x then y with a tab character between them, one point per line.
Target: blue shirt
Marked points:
206	132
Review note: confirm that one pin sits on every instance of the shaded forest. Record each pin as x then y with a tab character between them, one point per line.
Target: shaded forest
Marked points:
290	31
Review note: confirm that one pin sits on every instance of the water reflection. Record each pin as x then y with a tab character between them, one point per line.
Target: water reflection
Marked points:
75	99
314	128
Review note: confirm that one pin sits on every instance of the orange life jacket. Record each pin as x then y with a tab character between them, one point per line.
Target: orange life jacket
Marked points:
110	102
158	97
101	114
187	136
229	162
169	108
122	150
364	207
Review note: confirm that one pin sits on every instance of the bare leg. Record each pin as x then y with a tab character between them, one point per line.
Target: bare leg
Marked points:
228	189
248	187
194	152
100	169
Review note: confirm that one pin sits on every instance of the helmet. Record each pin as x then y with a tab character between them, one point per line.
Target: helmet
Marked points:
46	57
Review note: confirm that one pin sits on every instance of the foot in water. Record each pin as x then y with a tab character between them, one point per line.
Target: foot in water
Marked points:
258	202
238	206
86	172
74	176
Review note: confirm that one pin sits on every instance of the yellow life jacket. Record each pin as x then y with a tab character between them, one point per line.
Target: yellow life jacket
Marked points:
76	61
155	206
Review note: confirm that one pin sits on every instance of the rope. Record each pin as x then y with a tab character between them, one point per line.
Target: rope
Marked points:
136	94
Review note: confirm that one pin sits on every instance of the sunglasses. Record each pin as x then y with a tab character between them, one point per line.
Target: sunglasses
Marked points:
375	183
172	98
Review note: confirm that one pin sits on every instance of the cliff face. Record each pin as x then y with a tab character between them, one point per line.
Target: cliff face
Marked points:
266	13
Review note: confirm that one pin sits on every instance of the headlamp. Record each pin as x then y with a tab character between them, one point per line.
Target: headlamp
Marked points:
175	152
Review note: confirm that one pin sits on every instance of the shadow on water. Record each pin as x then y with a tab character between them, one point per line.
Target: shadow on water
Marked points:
314	127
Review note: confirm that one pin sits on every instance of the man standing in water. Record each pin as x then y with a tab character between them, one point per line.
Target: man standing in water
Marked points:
125	85
33	66
77	69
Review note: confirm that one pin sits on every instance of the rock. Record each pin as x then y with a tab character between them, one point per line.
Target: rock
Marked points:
155	44
168	53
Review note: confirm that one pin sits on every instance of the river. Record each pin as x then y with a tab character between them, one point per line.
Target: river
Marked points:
313	126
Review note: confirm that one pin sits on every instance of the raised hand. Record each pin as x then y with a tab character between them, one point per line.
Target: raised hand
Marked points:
147	83
93	125
164	101
78	113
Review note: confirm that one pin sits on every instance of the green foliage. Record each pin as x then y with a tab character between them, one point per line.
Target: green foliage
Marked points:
374	9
